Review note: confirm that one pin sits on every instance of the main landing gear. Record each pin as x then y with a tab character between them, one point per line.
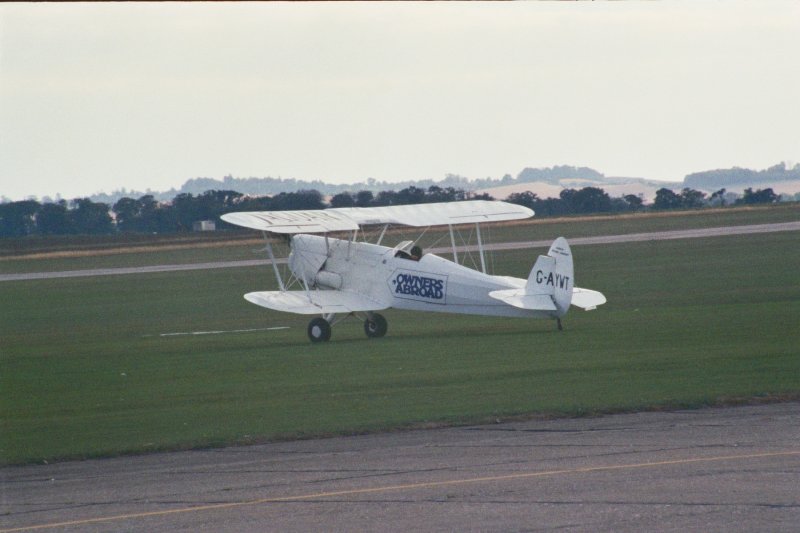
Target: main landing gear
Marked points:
319	329
375	326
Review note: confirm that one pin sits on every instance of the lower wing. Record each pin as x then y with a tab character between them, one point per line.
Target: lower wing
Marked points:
314	302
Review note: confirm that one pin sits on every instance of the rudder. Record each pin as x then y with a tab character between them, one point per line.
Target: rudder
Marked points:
563	274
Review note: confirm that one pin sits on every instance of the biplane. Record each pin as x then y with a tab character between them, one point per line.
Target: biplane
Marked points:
341	277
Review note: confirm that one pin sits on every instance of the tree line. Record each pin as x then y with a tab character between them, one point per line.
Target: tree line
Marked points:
145	214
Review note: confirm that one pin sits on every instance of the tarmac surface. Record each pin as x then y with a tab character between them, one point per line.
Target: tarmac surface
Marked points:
716	469
605	239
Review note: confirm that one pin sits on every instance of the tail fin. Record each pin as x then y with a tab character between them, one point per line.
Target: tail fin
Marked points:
553	274
541	272
551	285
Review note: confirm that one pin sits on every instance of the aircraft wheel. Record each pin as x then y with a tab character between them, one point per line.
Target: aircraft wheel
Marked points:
375	326
319	330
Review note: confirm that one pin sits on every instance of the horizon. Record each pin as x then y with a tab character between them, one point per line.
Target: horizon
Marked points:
101	97
378	181
629	185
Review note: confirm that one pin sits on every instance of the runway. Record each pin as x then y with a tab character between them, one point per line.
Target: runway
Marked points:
716	469
578	241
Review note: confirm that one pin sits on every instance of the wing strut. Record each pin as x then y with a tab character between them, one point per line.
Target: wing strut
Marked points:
383	232
453	243
480	247
274	265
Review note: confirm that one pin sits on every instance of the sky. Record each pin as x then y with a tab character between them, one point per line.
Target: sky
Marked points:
102	96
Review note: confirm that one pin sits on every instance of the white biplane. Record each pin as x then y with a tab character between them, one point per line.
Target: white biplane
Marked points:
352	278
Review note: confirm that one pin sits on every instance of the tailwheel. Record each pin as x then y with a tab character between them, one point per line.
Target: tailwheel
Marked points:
375	326
319	330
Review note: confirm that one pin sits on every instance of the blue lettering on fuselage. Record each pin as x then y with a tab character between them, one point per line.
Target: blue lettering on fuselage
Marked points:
416	286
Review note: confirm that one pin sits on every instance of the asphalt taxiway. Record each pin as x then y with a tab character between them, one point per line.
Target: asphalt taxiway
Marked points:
715	469
577	241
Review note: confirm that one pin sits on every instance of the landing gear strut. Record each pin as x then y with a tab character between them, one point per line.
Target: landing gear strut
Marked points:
558	322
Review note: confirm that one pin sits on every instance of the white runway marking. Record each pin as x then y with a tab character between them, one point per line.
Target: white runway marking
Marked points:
217	332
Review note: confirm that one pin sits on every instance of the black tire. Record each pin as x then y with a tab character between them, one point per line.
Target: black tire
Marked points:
319	330
375	326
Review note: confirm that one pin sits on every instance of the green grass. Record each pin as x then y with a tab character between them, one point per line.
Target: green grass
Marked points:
84	372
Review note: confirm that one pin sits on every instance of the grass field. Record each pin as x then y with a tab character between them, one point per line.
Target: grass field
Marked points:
84	371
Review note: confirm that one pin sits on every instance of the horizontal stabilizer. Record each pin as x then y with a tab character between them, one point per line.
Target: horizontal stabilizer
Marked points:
314	302
587	299
519	298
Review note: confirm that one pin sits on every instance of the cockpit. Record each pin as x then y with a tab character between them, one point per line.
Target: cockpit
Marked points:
408	250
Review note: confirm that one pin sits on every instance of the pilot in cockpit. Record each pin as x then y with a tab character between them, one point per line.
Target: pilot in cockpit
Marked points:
408	250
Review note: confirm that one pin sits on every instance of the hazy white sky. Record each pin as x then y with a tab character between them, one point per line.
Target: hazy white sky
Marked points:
95	97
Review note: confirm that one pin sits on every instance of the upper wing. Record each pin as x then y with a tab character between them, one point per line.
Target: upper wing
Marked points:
314	302
437	214
350	218
311	221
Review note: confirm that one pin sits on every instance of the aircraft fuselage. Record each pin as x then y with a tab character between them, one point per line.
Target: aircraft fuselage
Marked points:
431	283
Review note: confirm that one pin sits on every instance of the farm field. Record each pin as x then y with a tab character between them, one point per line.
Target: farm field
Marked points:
105	366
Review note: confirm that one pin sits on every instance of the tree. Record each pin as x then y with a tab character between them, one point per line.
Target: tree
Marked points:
300	200
666	199
364	198
410	195
480	196
718	197
184	211
446	194
761	196
692	199
91	218
526	198
211	204
385	198
343	199
149	215
141	215
127	213
586	200
634	202
18	218
53	219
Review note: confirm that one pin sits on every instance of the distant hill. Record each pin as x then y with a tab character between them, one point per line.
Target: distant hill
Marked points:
270	186
548	183
741	177
545	182
615	187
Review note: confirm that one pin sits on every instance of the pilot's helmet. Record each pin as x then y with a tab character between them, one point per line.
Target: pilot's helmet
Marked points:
416	251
